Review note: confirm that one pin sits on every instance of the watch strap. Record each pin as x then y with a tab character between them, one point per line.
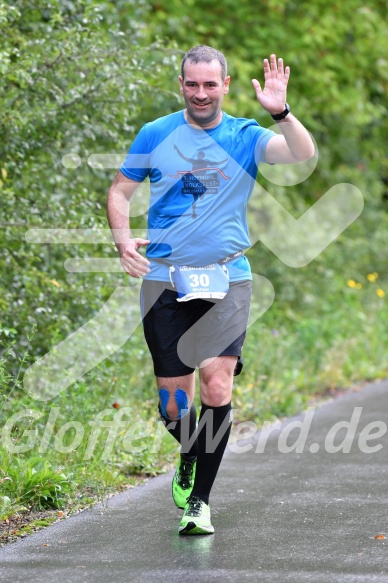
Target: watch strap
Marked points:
283	114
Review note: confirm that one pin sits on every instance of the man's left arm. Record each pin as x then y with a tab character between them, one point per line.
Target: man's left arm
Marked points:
295	143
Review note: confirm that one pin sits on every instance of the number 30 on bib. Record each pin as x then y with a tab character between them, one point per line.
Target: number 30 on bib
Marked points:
201	280
193	283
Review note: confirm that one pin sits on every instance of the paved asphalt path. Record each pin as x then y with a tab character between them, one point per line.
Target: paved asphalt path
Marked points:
279	517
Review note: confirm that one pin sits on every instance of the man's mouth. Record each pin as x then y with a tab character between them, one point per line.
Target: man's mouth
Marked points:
200	105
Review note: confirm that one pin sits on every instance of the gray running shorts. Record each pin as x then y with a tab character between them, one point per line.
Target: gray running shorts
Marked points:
180	335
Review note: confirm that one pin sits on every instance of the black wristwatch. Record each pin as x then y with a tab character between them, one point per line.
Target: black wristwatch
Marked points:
283	114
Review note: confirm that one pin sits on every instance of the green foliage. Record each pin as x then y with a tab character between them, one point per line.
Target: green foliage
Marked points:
5	505
33	483
98	464
324	341
74	82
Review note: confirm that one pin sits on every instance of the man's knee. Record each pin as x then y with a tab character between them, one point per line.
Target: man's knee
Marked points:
216	390
173	405
216	398
216	384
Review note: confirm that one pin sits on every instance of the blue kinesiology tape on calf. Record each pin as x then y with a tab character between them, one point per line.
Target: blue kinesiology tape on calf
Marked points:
164	396
182	402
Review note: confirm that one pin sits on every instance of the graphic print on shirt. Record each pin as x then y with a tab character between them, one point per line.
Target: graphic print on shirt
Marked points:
203	178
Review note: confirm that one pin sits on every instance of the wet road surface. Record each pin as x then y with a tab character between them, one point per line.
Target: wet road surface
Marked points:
296	516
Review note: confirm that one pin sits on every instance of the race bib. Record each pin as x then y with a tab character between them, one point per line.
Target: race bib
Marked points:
209	282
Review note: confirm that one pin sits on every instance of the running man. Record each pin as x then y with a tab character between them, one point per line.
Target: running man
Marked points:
200	333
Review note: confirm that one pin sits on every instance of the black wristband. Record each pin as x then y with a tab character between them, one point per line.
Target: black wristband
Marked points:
282	115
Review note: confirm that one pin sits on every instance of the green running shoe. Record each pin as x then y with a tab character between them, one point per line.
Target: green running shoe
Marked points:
196	518
183	481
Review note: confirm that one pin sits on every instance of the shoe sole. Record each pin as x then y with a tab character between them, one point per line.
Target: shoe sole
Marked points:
192	528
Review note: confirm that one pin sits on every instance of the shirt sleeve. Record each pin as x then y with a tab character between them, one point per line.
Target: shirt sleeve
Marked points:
136	164
261	144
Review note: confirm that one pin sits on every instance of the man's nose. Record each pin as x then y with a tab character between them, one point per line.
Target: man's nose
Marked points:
201	93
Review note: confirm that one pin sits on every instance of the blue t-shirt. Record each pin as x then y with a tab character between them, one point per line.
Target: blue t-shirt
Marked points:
200	183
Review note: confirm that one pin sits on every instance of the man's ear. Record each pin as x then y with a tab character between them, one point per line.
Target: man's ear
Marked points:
226	84
180	83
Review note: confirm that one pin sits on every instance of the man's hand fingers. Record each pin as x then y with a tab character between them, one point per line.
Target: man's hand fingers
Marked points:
133	263
256	87
140	241
128	269
131	273
140	260
139	265
134	268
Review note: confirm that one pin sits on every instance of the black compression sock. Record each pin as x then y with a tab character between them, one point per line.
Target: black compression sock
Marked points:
214	427
184	431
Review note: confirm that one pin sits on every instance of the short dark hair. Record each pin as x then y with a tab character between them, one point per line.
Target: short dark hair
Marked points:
204	54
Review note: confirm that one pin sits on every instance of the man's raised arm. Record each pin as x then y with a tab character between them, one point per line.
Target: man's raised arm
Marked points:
295	145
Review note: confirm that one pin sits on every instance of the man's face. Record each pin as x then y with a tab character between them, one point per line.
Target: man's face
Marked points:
203	91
